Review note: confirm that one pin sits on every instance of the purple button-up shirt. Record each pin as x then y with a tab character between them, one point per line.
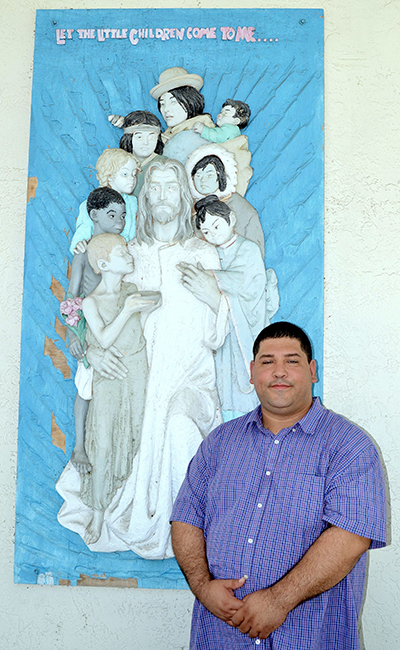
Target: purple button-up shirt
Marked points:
263	499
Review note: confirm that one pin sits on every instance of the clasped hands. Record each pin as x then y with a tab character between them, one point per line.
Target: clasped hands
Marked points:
257	615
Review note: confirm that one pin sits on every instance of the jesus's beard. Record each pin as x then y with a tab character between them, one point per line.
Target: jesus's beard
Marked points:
164	213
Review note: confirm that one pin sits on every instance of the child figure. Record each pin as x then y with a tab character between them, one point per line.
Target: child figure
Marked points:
106	211
251	293
115	415
117	169
233	117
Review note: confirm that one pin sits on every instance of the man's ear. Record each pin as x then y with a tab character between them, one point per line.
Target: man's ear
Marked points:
313	370
233	219
251	372
236	121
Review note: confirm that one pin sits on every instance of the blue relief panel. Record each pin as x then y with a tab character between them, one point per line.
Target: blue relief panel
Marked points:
92	63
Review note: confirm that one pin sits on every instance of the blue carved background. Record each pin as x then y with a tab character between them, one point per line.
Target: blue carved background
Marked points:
75	87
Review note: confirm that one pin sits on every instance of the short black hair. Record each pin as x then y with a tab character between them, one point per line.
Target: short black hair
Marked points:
218	166
136	118
101	198
212	205
281	330
242	111
189	98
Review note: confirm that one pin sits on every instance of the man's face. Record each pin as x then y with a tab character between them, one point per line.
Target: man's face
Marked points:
124	180
144	140
164	195
283	377
227	116
111	218
206	180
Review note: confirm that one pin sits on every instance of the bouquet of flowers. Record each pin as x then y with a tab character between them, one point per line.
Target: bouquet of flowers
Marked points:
72	314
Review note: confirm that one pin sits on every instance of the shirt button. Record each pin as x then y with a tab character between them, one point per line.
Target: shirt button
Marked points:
268	473
259	505
276	442
250	541
258	641
294	430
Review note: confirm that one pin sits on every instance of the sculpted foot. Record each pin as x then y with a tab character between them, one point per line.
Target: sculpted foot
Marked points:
80	461
93	529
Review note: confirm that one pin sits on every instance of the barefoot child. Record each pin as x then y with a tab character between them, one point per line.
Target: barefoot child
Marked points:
114	420
106	209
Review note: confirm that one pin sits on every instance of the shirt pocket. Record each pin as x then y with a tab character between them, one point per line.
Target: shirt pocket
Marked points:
301	501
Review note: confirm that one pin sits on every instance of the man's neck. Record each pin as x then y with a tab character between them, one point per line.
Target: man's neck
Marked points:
165	232
275	422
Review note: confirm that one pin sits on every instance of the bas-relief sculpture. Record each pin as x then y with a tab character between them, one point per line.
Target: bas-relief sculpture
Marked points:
206	263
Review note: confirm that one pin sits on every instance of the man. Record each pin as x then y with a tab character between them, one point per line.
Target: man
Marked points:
276	512
181	404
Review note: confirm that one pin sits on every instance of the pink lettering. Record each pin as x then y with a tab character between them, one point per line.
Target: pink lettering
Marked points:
245	33
60	36
228	33
132	37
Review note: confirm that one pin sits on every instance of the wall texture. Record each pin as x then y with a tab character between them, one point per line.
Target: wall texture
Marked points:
362	301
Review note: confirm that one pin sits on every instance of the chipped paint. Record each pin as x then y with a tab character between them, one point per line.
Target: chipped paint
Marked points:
57	289
32	187
61	330
57	436
88	581
57	357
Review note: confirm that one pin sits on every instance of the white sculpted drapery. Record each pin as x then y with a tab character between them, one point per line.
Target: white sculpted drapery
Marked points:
181	404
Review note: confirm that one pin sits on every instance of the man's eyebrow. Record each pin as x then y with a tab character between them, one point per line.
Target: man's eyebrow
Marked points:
271	355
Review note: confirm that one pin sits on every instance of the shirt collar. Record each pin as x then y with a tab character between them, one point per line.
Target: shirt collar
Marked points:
308	423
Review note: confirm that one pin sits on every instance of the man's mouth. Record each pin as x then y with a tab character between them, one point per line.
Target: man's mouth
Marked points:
280	386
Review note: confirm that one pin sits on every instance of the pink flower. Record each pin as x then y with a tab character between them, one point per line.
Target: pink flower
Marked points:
72	320
77	303
66	307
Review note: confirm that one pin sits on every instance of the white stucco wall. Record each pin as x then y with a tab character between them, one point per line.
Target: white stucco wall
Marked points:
362	314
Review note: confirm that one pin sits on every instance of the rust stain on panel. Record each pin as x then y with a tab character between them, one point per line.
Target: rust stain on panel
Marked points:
64	583
61	330
57	289
88	581
57	357
69	271
57	436
32	187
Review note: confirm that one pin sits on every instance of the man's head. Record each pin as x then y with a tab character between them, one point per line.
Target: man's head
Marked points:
142	134
283	371
215	220
234	112
106	208
164	198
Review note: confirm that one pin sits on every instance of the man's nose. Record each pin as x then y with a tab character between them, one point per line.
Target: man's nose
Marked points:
280	369
163	192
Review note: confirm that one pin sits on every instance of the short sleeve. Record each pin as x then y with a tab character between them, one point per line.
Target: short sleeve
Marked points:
190	504
355	496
